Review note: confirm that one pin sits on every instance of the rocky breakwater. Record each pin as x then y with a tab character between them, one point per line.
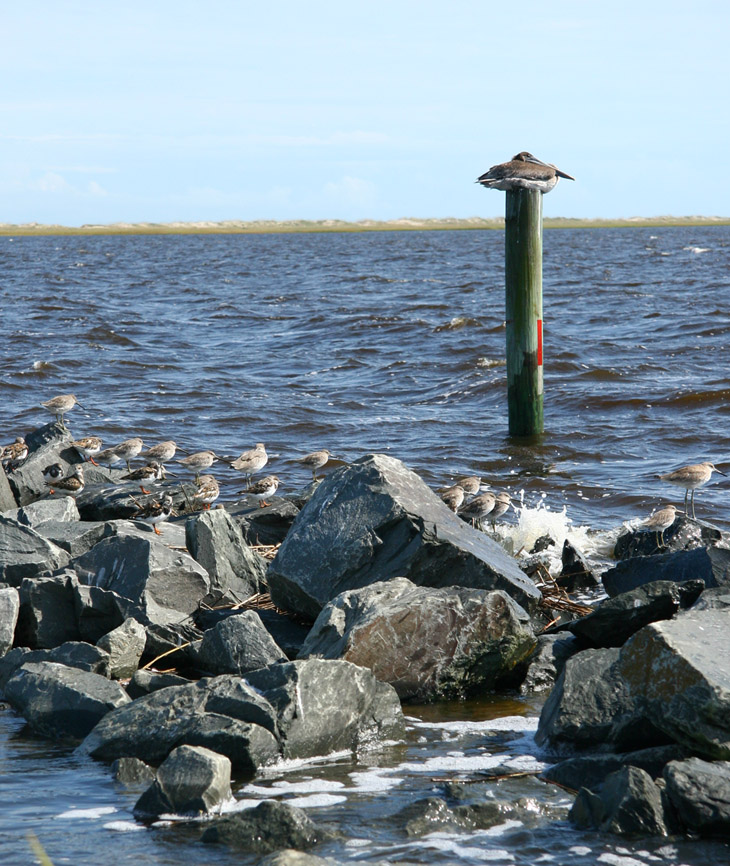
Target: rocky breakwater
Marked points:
641	713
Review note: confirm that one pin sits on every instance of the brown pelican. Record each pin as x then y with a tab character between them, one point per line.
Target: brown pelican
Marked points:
523	171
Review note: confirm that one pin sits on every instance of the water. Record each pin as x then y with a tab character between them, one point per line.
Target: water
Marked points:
388	342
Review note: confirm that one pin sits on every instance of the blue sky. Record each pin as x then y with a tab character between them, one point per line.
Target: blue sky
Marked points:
160	111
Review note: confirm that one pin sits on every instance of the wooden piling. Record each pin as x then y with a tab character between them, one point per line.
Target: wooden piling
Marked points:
523	296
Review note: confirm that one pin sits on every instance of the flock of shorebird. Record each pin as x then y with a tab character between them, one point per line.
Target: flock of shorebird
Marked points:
463	497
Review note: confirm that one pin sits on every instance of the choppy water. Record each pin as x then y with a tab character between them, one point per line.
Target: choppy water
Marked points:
358	343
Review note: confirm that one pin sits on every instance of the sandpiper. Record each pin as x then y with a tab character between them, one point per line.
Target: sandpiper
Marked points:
14	454
478	508
148	474
501	504
88	447
72	485
252	461
453	496
208	491
198	461
471	484
661	520
314	461
690	477
155	512
162	453
58	406
108	457
263	489
523	171
128	450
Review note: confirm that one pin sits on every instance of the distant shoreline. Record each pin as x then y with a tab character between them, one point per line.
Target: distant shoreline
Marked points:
323	226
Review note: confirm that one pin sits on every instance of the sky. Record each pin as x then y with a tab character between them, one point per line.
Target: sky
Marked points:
157	111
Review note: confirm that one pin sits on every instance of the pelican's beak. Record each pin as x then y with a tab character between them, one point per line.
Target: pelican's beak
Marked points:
563	174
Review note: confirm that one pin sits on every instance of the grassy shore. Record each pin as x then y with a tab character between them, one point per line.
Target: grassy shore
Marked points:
293	226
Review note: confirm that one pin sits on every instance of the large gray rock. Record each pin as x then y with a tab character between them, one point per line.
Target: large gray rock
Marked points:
121	499
190	781
711	565
76	538
546	661
48	444
684	534
58	509
265	525
125	645
238	644
47	613
144	682
9	609
26	553
58	701
7	498
164	585
678	673
215	540
97	610
74	654
429	644
629	804
375	520
700	793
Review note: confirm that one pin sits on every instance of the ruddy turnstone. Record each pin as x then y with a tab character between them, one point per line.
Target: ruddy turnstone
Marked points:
88	447
208	491
128	450
690	478
162	453
148	474
72	485
252	461
453	496
471	484
52	472
314	461
661	520
502	503
58	406
198	461
13	455
478	508
263	489
155	512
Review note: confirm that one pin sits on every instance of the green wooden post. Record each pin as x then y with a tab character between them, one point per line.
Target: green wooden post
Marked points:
523	284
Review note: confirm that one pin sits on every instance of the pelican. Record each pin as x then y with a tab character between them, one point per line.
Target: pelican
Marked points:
523	171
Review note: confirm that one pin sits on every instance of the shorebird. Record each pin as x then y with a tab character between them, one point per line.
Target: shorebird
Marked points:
478	508
198	461
72	485
58	406
52	472
208	491
88	447
148	474
263	489
108	457
162	453
471	485
314	461
661	520
453	497
155	512
690	478
11	456
523	171
502	503
128	450
252	461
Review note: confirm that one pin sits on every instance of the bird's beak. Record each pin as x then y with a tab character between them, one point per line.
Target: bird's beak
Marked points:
563	174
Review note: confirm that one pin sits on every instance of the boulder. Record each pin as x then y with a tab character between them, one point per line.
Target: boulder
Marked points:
164	585
57	509
433	815
429	644
684	534
711	565
545	662
121	499
26	553
144	682
699	791
216	542
268	827
48	444
180	637
576	573
76	538
58	701
190	781
286	632
125	645
132	771
375	520
97	610
236	645
7	498
265	525
47	613
9	609
629	804
74	654
616	619
292	857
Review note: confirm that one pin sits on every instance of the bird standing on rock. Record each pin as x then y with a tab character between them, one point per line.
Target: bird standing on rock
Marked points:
314	461
14	454
453	497
88	447
199	461
252	461
478	508
661	520
501	505
208	491
148	474
58	406
162	453
263	489
155	512
690	478
128	450
72	485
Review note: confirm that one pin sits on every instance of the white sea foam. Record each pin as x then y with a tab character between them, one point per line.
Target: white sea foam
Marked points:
375	781
315	801
697	249
124	826
617	860
88	813
505	723
281	786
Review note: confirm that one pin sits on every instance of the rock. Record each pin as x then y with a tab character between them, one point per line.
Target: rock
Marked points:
429	644
433	815
327	706
717	598
180	637
677	673
48	444
9	609
542	543
98	611
268	827
238	644
190	781
57	509
629	804
75	538
216	542
125	645
165	586
616	619
684	534
290	857
711	565
546	661
24	553
58	701
576	573
265	525
699	791
145	682
74	654
132	771
116	501
375	520
287	634
47	613
7	499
